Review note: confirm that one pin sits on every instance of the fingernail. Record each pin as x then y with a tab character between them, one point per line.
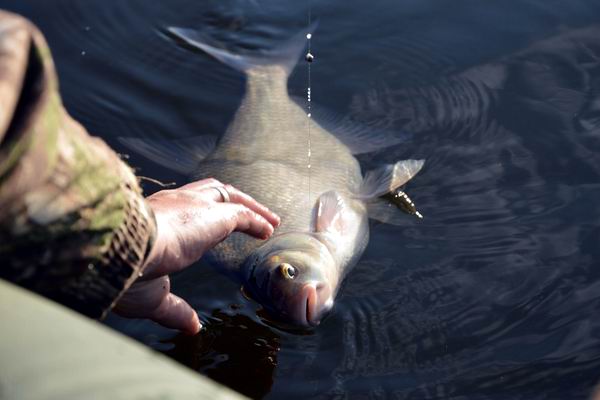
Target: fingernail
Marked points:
277	220
267	232
197	326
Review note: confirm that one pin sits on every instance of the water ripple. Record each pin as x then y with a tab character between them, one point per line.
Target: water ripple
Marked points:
494	294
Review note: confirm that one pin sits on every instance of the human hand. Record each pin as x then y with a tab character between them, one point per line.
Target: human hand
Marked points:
190	220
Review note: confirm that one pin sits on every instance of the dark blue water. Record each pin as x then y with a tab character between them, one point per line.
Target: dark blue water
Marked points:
496	293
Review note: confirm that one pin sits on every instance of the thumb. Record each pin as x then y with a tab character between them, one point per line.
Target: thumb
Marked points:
175	313
153	299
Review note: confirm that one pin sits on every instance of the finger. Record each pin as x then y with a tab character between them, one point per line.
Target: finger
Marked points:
153	300
175	313
143	297
203	188
243	219
237	196
202	184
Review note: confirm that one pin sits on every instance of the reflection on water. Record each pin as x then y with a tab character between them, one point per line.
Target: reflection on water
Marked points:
495	294
233	350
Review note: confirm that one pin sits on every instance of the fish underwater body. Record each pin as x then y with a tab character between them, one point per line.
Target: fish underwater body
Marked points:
324	206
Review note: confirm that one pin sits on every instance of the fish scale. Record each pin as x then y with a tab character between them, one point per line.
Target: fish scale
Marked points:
263	153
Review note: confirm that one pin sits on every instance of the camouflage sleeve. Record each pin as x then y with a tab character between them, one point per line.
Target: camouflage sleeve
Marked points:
73	223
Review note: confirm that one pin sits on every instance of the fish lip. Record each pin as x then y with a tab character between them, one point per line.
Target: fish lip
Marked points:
310	316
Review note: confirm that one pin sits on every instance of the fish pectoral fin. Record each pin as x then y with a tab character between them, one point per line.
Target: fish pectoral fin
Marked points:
285	55
341	226
179	155
357	137
334	215
389	177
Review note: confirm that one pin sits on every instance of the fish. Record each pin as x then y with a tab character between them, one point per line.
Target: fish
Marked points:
323	198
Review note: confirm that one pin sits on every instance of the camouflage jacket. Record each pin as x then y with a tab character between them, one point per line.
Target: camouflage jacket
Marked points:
73	223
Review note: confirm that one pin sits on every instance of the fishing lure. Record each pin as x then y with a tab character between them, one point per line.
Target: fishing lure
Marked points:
401	200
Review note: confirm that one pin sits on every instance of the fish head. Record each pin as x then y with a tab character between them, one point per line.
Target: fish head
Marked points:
293	276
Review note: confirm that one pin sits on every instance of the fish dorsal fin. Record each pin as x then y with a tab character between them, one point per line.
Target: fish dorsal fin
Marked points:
388	177
285	55
179	155
359	138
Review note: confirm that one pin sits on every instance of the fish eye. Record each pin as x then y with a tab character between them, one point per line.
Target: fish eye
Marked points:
287	271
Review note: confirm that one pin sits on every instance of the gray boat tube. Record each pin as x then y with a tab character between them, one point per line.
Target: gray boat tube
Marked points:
50	352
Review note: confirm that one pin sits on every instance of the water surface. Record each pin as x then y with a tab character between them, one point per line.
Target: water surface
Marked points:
496	293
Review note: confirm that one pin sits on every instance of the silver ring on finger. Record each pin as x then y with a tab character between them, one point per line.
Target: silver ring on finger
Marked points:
224	193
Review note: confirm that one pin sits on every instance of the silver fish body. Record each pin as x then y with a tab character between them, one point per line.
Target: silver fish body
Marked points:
306	173
264	152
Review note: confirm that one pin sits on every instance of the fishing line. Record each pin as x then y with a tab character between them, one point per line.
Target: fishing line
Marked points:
309	58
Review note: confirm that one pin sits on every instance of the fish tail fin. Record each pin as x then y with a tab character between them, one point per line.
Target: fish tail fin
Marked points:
285	55
384	180
387	178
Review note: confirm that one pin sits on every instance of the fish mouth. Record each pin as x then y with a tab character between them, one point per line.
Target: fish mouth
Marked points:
311	299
